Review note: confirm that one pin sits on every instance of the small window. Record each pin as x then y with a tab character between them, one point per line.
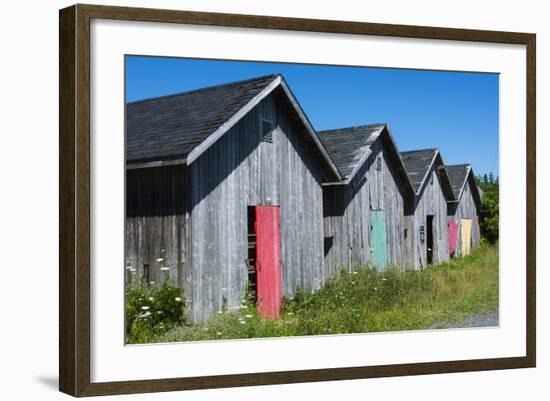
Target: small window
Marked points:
405	233
267	130
378	164
432	180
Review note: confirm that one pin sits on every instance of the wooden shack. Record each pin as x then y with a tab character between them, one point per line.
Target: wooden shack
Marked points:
427	240
364	212
463	221
199	165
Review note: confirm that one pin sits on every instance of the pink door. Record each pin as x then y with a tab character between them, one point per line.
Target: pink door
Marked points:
452	235
268	261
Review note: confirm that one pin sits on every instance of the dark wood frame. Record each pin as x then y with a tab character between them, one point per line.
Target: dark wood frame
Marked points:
74	203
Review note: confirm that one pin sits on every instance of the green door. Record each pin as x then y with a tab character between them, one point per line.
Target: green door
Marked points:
379	247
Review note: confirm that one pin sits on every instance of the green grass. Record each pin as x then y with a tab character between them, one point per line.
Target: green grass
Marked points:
367	301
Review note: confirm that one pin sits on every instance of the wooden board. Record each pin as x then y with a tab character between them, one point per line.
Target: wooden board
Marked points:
466	233
379	242
452	225
268	261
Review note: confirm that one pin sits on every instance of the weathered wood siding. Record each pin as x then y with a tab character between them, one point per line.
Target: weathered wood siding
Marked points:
346	208
465	208
157	225
241	170
430	201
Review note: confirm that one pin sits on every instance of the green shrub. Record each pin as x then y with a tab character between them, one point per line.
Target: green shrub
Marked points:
489	211
152	311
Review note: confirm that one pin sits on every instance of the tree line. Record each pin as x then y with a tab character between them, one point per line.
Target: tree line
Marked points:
488	215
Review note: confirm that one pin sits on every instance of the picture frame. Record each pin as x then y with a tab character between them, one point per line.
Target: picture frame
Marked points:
75	338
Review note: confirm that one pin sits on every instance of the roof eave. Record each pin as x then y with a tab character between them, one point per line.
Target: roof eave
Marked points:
309	127
405	174
155	163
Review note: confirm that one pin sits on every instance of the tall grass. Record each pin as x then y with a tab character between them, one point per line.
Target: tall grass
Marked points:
366	301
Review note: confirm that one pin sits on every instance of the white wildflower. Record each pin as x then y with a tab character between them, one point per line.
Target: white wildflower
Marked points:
165	268
160	259
354	272
159	312
290	313
248	316
151	299
145	307
243	307
151	282
384	279
242	322
375	288
177	299
219	333
220	312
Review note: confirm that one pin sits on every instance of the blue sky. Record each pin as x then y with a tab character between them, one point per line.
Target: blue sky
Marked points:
456	112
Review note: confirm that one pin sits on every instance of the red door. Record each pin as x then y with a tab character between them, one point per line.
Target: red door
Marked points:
268	261
452	234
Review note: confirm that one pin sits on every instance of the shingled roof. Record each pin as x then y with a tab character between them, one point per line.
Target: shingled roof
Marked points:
418	164
347	146
350	148
172	126
179	127
459	175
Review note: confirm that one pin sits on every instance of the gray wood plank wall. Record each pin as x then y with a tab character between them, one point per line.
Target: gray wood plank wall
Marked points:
430	201
157	225
241	170
466	209
347	213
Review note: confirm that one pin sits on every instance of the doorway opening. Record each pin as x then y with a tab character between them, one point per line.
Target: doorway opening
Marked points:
251	261
429	239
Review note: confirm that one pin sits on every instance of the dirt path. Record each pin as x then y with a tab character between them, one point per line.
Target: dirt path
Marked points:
475	320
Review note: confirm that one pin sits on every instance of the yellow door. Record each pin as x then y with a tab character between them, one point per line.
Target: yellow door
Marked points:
466	234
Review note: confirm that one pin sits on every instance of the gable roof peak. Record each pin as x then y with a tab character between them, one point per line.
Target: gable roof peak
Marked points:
348	147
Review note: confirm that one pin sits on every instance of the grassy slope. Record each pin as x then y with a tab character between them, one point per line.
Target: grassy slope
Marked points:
368	301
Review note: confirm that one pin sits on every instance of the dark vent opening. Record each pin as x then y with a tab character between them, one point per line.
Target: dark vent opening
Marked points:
267	131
